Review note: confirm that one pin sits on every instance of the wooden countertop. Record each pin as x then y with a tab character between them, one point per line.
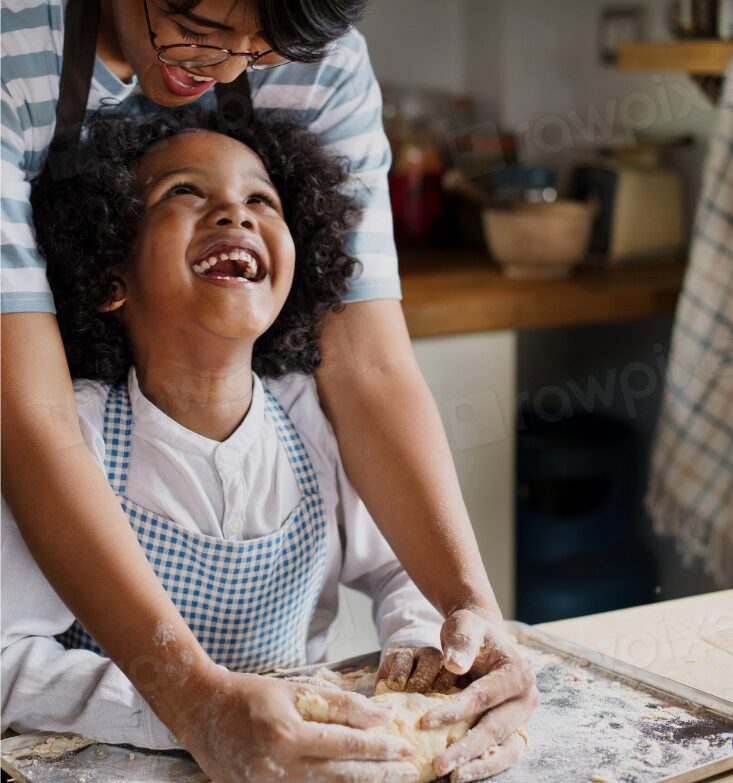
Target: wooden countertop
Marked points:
689	640
454	291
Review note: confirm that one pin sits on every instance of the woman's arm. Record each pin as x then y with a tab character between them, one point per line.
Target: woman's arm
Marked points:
46	686
396	454
72	521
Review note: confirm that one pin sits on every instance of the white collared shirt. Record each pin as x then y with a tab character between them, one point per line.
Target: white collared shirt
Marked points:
238	489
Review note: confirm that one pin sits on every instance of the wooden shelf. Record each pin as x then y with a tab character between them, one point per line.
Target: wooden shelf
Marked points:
698	57
458	291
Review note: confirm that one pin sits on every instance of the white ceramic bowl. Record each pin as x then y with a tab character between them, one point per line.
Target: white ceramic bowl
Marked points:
539	241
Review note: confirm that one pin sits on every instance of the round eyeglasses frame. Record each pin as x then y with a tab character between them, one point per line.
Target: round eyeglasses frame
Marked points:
253	58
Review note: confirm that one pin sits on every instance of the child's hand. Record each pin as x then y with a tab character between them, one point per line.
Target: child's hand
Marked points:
502	696
416	669
246	727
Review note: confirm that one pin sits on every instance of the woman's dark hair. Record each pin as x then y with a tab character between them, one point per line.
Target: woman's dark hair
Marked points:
300	30
86	225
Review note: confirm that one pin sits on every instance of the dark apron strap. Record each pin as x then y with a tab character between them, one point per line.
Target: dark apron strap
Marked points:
81	25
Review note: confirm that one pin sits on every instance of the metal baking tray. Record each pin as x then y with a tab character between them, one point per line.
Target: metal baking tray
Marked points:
600	720
603	719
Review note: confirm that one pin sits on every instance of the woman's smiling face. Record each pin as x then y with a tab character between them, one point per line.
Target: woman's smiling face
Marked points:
224	23
214	256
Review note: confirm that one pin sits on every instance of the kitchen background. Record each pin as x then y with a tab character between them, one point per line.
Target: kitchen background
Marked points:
472	85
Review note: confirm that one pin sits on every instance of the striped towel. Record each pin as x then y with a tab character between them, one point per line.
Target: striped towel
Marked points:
690	495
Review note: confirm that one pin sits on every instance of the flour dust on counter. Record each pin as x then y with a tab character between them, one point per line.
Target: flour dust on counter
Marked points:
73	759
591	727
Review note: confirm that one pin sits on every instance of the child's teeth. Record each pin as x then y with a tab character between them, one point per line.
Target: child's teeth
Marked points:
251	269
249	266
201	78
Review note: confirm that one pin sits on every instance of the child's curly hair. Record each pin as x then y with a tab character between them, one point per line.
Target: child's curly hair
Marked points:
86	225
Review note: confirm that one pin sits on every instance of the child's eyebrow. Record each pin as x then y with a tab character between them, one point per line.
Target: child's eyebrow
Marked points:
152	183
265	180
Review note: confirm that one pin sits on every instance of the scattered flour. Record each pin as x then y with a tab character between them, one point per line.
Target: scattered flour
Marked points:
589	727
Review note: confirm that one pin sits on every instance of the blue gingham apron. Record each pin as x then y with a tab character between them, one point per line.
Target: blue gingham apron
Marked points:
249	603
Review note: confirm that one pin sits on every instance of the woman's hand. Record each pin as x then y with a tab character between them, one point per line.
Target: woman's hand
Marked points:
502	695
247	727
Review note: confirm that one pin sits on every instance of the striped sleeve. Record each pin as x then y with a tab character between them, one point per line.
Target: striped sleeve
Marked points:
32	39
23	282
340	100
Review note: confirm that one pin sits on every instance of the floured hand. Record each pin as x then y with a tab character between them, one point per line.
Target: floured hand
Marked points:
501	698
246	727
416	670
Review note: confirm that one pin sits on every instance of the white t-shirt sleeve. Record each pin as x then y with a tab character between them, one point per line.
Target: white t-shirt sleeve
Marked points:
44	685
403	616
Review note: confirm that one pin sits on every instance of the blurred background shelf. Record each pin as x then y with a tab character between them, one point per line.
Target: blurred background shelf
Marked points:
495	350
456	291
697	57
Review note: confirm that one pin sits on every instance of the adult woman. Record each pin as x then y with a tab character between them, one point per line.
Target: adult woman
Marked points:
367	364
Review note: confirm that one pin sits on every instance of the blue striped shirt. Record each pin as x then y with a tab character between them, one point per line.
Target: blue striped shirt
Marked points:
339	99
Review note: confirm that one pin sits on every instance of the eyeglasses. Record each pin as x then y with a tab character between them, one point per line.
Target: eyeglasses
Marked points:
189	55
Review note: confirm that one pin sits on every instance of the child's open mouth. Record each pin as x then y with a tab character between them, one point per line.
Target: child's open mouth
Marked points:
228	263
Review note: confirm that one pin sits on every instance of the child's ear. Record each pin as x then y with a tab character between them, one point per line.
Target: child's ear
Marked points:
119	295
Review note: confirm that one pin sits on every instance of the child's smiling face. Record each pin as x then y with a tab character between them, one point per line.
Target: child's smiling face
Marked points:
214	256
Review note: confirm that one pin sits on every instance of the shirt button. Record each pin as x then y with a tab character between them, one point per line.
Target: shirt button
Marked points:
235	526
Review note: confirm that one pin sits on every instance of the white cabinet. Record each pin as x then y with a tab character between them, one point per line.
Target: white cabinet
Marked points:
472	378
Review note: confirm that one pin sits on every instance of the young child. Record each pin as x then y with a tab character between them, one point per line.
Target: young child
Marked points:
190	271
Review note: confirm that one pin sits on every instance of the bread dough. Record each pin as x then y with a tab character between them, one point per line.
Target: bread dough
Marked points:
407	713
362	681
429	743
47	746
